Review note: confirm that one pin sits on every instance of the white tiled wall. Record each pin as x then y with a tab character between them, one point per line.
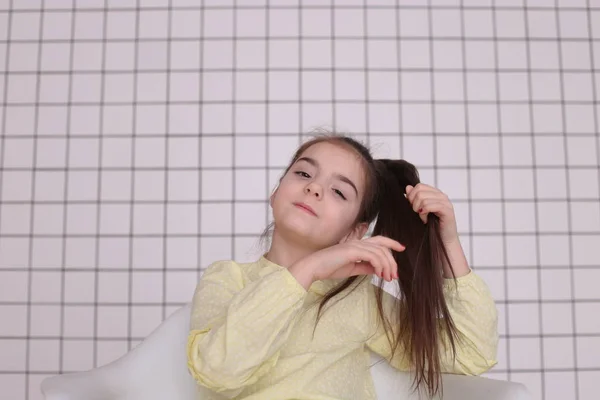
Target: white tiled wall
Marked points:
140	141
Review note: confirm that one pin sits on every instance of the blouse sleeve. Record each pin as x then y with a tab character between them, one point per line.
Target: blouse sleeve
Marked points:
237	329
474	313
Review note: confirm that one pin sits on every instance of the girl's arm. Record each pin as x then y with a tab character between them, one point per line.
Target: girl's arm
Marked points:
474	313
236	328
469	301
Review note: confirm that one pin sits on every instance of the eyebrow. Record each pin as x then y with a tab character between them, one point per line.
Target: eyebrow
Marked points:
341	177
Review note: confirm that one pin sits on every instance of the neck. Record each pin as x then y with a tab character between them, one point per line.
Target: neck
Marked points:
286	251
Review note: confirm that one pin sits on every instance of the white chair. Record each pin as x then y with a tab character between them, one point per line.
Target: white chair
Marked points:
157	369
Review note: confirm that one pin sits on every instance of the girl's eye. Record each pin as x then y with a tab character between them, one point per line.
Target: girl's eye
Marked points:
302	174
339	193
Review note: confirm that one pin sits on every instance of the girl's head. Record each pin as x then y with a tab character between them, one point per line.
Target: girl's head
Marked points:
342	186
322	193
331	191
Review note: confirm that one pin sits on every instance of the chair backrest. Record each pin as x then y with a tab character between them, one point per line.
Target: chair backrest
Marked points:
157	369
163	356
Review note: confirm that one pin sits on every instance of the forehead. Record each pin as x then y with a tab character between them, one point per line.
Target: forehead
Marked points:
337	158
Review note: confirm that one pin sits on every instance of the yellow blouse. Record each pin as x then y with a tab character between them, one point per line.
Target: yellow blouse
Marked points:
251	334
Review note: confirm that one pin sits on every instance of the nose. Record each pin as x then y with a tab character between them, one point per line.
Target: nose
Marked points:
314	189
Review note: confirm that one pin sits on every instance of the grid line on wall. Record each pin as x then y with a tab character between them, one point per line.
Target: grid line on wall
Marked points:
535	208
234	126
28	351
98	201
307	7
65	208
569	247
310	107
502	189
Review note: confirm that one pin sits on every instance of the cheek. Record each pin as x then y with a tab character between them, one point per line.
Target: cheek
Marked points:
283	193
281	197
343	216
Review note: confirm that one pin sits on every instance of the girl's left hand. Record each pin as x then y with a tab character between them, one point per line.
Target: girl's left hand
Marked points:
425	199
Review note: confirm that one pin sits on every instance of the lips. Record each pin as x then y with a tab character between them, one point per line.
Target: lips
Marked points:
306	208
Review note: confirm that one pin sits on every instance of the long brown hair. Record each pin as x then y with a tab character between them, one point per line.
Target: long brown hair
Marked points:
425	324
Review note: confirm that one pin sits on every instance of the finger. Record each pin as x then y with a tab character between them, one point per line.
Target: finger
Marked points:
389	261
424	186
422	192
387	242
379	261
426	208
417	190
423	211
363	253
436	206
439	208
361	268
392	262
426	199
414	197
419	199
381	251
409	193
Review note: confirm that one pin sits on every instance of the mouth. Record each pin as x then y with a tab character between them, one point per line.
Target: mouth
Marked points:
306	208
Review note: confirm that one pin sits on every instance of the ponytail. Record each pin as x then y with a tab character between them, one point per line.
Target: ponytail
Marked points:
424	315
425	323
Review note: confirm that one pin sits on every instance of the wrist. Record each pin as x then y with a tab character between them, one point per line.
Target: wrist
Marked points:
303	273
452	241
458	259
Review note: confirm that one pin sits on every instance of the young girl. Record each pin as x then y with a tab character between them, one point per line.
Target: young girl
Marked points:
299	322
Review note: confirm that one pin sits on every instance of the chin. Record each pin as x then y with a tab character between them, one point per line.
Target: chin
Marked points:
296	227
297	231
303	235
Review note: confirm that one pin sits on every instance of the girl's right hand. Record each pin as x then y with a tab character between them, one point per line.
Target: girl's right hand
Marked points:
354	257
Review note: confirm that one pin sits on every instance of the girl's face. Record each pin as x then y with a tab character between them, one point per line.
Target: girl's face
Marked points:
319	198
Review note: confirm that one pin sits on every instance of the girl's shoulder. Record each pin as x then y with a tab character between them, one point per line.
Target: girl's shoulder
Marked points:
220	266
235	270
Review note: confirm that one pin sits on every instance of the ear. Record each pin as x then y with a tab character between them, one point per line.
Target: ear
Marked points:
357	232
